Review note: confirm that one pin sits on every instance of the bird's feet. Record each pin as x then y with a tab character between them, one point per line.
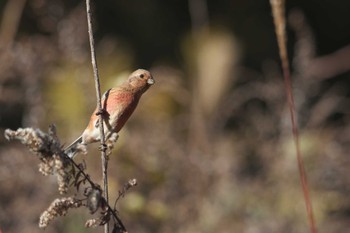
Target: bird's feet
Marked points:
103	147
102	112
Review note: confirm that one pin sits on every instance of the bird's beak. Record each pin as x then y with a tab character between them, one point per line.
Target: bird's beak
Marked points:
150	81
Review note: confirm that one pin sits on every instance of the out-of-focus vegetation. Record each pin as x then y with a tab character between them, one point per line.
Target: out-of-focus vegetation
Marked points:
210	143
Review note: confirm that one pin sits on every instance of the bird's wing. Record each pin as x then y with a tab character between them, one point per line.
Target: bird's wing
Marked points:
105	98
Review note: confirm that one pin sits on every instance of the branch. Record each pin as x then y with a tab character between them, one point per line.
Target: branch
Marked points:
99	107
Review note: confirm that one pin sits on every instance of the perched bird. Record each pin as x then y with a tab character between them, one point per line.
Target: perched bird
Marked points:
118	104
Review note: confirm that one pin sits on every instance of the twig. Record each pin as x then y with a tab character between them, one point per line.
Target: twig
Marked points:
93	185
99	107
86	176
127	186
280	24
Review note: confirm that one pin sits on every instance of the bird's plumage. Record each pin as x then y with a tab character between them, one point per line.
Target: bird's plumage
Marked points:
118	104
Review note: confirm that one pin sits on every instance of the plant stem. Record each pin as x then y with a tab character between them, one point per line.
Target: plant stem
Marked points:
99	107
280	24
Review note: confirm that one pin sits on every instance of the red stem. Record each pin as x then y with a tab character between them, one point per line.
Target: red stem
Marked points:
302	173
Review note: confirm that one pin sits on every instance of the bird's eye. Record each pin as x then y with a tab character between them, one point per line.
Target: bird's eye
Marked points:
142	75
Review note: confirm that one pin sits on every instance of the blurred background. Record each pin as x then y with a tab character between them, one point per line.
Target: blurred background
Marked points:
210	144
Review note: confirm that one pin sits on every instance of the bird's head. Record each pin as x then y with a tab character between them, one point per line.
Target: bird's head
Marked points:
140	80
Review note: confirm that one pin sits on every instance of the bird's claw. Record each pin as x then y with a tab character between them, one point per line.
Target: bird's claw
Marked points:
103	147
102	112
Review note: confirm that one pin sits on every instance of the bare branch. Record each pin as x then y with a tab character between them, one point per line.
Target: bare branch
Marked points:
99	106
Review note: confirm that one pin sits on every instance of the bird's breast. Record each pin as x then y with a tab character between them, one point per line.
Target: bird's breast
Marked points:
120	107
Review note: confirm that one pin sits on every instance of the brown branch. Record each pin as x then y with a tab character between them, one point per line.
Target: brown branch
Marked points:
99	107
280	24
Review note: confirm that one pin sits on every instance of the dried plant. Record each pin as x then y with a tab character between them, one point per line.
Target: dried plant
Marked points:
59	207
49	151
53	161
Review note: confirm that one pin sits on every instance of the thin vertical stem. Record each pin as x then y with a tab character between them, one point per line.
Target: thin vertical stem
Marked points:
99	107
280	24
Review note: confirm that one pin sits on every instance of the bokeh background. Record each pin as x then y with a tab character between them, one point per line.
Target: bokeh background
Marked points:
210	144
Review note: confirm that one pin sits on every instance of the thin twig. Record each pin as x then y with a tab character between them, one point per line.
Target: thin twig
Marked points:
86	176
280	24
93	185
127	186
99	106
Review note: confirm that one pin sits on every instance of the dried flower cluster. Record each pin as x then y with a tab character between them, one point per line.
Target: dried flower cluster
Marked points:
58	207
131	183
94	222
48	148
38	142
100	221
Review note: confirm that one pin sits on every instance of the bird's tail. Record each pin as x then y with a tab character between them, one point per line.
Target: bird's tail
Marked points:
71	150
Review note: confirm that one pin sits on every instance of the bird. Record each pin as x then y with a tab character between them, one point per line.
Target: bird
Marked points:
118	103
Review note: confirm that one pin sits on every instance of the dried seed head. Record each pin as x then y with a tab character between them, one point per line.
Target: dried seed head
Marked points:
48	148
34	139
103	219
93	222
46	167
131	183
58	207
63	173
94	198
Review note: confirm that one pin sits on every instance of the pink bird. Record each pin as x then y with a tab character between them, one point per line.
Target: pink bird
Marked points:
118	104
